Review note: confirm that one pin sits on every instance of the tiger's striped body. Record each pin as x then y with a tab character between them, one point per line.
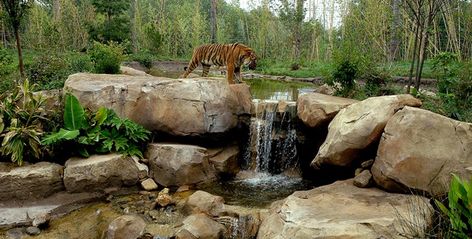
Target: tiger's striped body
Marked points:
233	56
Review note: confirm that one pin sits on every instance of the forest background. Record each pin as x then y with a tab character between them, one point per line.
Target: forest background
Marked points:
340	40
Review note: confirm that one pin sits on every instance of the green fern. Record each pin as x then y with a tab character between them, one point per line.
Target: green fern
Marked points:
459	208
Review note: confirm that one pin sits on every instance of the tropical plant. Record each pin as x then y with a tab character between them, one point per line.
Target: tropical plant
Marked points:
459	210
107	58
21	123
101	132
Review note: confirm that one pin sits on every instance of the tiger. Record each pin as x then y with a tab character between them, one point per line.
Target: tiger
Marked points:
233	56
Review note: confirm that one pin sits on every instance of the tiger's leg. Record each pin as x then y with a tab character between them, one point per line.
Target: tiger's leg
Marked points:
230	73
206	69
237	73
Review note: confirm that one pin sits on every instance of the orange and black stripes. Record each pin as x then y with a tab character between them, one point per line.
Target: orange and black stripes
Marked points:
230	55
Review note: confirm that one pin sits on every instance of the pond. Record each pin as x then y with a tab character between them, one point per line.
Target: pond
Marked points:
263	89
257	191
278	90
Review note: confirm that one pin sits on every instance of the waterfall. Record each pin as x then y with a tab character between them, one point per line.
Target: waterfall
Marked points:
272	138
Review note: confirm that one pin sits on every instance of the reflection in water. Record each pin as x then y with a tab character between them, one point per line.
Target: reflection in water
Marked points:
278	90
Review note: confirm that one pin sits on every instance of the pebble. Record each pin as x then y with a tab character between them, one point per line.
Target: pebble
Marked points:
41	220
33	231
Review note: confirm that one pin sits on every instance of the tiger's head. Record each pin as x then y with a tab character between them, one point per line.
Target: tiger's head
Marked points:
249	58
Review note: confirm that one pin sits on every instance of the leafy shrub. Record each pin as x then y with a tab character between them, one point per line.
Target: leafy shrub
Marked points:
106	58
376	83
7	65
345	73
144	58
459	210
101	132
153	36
80	63
21	123
444	66
48	71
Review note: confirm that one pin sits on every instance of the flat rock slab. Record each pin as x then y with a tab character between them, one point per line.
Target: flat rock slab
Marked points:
99	172
182	107
341	210
316	109
14	213
30	181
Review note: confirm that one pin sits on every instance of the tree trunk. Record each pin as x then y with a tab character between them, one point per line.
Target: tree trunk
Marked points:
213	24
134	26
20	54
396	24
415	46
297	31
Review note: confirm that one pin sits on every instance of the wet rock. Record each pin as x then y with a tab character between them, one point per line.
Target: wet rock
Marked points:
41	220
363	180
126	227
33	231
316	109
367	164
200	226
341	210
149	184
182	107
225	160
183	188
420	150
178	164
203	202
326	89
31	181
99	172
15	233
357	126
125	70
142	168
163	198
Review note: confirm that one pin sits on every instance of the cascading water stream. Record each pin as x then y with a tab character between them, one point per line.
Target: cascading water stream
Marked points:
272	139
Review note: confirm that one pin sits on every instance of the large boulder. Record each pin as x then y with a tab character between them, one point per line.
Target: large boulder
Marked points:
125	227
200	226
99	172
182	107
341	210
178	164
30	181
316	109
419	150
225	160
357	126
203	202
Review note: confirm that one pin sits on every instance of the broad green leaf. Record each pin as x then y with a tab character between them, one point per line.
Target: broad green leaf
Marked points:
61	135
74	114
2	124
101	115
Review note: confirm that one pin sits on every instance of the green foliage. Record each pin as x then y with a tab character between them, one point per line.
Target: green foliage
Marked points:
107	58
115	24
153	37
144	58
444	65
459	208
100	132
80	63
6	62
345	73
21	124
48	71
376	83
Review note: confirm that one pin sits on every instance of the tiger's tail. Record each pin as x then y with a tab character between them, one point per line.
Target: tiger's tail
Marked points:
191	66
